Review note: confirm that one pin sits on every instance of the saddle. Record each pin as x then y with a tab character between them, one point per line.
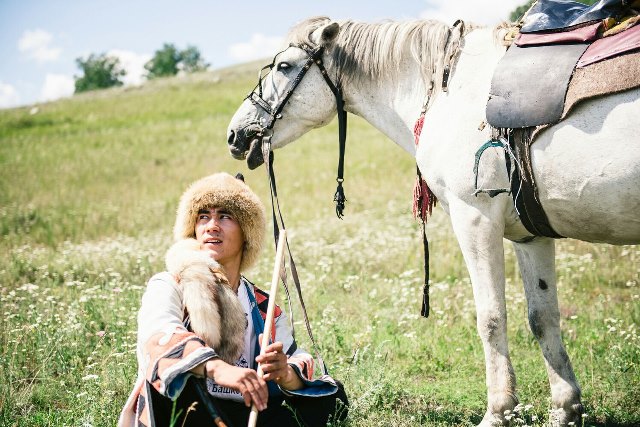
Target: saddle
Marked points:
565	52
557	38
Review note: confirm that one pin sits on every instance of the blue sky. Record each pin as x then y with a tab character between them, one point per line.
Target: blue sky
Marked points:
40	40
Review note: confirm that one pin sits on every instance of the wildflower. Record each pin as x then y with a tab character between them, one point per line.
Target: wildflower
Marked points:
100	333
90	377
29	287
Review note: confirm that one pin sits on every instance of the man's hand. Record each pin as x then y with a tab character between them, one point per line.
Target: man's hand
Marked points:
244	380
275	367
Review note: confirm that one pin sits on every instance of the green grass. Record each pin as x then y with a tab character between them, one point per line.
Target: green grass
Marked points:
88	191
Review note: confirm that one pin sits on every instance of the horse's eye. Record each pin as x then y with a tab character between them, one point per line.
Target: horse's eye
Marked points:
283	66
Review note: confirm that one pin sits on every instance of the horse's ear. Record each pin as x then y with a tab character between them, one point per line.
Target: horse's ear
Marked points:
329	33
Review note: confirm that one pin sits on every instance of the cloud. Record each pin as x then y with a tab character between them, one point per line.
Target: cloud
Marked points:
487	12
36	45
260	46
9	96
57	86
133	64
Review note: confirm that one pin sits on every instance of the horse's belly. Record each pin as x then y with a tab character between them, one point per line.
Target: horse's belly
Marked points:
587	169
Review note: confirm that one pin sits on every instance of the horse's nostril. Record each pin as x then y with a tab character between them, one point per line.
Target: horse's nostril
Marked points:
232	137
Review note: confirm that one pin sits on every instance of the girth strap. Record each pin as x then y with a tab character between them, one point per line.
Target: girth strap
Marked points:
526	200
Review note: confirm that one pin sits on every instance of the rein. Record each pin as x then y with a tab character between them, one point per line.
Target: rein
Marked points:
268	162
275	112
266	133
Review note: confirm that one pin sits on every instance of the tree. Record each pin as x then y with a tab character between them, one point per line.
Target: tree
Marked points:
99	72
164	62
519	11
192	61
169	60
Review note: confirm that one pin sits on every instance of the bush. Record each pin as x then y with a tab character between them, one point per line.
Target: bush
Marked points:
99	72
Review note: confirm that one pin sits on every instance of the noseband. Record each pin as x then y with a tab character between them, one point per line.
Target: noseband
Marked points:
314	55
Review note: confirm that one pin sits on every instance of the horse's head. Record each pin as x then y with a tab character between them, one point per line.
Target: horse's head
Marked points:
293	96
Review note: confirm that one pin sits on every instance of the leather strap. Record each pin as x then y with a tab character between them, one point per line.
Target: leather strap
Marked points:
524	189
275	112
447	64
277	219
339	197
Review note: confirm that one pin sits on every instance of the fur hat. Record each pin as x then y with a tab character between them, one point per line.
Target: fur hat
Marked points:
224	191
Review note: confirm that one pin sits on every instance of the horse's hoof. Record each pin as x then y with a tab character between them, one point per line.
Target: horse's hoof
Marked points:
562	417
492	420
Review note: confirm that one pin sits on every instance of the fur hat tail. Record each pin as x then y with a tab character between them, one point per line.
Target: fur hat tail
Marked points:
215	312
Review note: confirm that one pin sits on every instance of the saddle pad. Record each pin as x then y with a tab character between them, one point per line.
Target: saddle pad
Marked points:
529	85
548	15
580	34
610	46
606	77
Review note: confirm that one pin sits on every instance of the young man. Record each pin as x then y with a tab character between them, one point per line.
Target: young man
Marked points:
200	322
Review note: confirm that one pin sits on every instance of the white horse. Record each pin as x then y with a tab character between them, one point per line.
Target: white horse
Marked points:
587	167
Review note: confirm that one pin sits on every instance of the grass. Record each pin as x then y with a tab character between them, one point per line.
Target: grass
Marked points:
88	191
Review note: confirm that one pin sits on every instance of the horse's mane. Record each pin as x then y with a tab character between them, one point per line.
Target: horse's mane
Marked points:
365	50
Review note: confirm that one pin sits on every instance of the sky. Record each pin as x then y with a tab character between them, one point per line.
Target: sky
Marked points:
40	40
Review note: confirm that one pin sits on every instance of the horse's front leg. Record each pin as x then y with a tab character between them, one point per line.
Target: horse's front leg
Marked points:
480	233
537	266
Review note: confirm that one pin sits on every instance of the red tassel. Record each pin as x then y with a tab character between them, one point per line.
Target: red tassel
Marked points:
417	128
423	199
416	197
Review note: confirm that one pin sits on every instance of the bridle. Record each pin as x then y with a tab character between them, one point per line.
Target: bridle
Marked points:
274	112
265	133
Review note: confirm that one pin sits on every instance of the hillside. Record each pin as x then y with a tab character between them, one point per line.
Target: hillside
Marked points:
90	166
88	191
